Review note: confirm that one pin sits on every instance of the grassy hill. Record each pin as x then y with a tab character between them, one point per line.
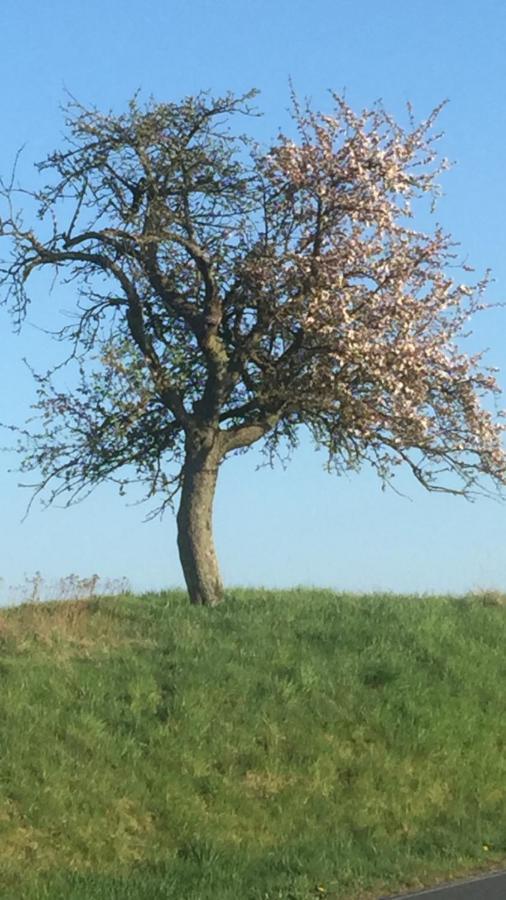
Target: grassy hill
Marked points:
284	746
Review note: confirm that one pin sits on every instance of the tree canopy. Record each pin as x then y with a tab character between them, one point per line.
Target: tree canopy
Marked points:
228	293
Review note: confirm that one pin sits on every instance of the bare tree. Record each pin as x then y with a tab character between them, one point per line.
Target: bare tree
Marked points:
227	294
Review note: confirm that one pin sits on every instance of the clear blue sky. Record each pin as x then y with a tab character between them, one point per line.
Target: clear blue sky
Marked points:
299	526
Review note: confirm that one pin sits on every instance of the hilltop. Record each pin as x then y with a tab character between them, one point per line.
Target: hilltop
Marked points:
283	746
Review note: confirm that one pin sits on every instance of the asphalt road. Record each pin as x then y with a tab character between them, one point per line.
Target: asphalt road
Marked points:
484	887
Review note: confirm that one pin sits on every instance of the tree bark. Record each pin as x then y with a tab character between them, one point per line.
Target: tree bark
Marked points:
195	530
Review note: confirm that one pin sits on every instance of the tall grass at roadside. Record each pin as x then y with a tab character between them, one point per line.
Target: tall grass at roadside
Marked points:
283	746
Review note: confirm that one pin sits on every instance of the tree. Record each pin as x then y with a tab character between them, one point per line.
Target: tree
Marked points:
228	294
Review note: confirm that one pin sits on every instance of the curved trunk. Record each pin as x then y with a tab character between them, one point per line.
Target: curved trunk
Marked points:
195	530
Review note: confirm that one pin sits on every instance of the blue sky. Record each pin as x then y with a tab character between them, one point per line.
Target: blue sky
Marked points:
299	525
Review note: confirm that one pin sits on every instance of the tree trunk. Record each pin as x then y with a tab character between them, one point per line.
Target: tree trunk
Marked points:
195	529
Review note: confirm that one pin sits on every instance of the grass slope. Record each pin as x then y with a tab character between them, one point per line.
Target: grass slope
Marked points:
284	746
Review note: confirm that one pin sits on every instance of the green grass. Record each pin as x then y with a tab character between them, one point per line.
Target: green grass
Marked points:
284	746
